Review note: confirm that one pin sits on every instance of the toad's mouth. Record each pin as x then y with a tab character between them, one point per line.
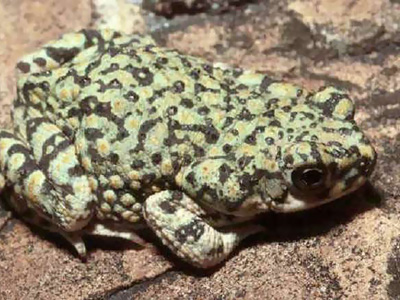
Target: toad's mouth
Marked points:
294	203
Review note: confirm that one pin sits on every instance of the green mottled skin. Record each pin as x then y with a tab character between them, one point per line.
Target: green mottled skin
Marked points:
113	132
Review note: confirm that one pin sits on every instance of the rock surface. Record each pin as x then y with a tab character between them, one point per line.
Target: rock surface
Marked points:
349	249
171	8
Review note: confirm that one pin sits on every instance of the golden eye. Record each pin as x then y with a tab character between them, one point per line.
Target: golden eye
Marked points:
309	178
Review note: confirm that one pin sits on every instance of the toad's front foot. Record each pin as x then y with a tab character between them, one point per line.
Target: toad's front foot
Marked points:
175	218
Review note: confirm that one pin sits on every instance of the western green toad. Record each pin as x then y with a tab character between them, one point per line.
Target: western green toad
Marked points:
113	133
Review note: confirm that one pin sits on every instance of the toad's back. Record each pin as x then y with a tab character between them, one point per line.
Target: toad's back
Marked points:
142	112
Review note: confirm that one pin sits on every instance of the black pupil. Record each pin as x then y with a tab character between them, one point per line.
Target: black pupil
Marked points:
311	177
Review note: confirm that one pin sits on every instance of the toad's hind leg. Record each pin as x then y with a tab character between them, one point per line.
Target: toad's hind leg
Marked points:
69	48
47	176
20	206
180	223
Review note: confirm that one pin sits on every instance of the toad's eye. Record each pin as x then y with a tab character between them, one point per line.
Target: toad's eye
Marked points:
308	179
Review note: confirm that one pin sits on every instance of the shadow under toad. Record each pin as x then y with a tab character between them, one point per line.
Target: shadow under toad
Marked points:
280	227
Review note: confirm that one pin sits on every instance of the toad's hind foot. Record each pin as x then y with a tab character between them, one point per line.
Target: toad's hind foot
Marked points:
77	242
101	230
111	230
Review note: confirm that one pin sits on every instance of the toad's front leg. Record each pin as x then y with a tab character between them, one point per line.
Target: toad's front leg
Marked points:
181	225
